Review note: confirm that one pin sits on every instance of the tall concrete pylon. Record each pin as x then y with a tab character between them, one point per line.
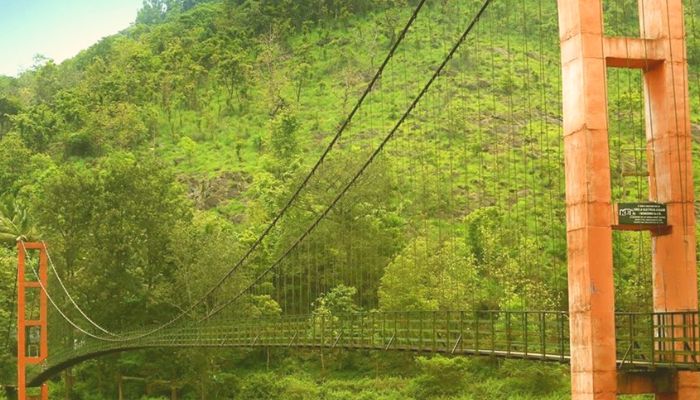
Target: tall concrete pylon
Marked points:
37	280
586	54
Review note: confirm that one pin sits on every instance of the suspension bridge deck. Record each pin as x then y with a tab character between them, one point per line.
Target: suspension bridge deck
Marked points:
644	340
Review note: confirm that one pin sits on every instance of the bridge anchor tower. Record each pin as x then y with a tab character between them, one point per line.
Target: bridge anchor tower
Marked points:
660	53
32	333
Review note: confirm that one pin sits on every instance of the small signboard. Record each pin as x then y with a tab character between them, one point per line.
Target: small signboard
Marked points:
642	214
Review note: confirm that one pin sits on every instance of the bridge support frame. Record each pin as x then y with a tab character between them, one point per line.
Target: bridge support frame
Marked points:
660	382
586	54
26	282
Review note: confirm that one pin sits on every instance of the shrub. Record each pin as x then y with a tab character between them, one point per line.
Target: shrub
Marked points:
299	389
440	376
261	386
534	378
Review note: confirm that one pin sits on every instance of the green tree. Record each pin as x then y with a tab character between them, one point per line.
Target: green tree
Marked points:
283	135
15	223
232	72
8	108
15	162
37	126
511	266
205	250
329	307
46	80
338	301
121	126
152	12
8	291
430	276
113	223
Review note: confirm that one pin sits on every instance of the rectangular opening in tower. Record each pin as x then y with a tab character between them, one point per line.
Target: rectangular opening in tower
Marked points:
32	303
33	343
31	265
629	173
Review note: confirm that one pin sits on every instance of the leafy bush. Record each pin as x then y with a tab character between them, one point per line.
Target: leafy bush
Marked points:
226	384
440	376
261	386
299	389
81	144
534	378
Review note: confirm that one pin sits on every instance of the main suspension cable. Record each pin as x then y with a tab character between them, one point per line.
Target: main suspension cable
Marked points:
70	297
287	205
366	164
60	311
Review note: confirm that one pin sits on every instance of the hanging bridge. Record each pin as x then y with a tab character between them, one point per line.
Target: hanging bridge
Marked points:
646	341
435	219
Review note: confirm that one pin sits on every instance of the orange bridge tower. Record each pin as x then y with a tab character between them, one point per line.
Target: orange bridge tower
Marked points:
586	54
32	314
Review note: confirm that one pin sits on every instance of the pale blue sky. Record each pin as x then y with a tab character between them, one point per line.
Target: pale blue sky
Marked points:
58	29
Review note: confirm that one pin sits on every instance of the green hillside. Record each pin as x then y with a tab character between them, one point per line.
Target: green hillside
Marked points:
152	161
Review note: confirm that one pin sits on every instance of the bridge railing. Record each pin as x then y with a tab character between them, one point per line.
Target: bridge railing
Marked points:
665	339
514	334
644	340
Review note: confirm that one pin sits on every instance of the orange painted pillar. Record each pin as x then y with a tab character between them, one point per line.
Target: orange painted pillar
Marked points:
588	201
26	279
670	158
661	54
21	328
670	168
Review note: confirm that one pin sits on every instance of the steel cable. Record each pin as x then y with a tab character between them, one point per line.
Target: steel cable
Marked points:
369	161
287	205
70	297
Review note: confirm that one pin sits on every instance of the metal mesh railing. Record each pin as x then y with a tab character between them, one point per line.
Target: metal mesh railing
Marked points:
644	340
667	339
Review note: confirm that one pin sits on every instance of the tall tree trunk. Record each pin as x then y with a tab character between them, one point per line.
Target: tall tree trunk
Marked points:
68	383
120	387
323	364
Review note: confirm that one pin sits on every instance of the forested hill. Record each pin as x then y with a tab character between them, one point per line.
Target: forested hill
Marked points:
152	160
203	88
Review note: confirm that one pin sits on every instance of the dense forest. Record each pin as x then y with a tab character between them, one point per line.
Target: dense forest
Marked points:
152	161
